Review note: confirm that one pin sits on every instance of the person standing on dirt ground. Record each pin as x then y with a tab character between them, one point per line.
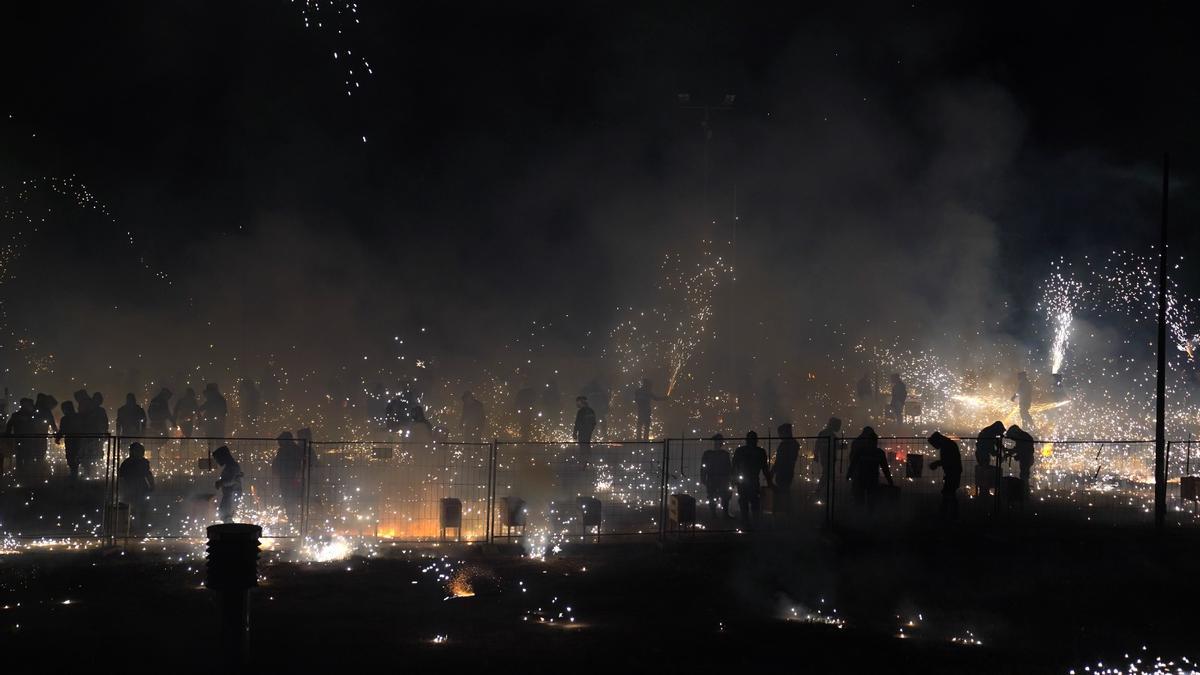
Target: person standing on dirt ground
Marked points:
158	413
229	483
867	459
644	399
1024	398
715	470
287	467
69	430
213	412
783	472
899	396
749	461
585	425
950	461
135	482
1024	452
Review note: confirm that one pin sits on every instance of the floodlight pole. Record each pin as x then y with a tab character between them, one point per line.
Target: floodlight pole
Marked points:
1160	421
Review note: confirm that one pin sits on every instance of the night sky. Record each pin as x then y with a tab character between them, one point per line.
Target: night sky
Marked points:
532	163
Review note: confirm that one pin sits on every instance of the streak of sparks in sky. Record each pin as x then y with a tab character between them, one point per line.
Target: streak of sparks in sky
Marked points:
342	19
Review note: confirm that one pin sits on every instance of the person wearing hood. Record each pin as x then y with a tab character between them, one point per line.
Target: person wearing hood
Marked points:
135	482
287	468
867	459
783	471
899	396
1023	450
643	400
950	462
131	418
749	461
159	413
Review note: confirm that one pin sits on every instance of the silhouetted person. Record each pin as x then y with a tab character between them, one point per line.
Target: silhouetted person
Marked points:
988	444
865	391
287	468
417	415
304	438
524	401
158	413
644	399
229	483
95	422
135	482
749	461
213	412
250	402
867	459
1023	450
70	428
186	411
131	418
715	471
783	472
24	423
597	397
473	418
585	424
825	455
899	396
1024	397
950	461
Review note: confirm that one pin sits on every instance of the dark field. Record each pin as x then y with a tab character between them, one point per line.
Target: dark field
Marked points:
1040	597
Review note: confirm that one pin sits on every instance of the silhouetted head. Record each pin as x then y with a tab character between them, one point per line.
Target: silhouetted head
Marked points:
190	393
868	433
40	402
580	401
68	408
211	388
717	440
165	393
50	402
785	430
137	450
936	438
751	439
81	396
304	434
285	437
98	399
835	424
1015	430
26	404
222	455
996	427
130	399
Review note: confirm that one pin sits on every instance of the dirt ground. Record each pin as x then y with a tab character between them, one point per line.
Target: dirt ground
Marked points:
1039	596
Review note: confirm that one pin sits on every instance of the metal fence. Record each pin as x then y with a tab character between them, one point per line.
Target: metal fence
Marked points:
441	491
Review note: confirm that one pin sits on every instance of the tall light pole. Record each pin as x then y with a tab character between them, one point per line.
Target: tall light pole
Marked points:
1160	413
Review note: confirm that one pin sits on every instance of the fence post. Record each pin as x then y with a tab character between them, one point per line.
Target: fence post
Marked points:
308	457
662	493
490	528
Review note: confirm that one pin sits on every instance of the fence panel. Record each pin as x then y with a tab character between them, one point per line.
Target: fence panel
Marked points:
405	491
185	498
42	495
568	492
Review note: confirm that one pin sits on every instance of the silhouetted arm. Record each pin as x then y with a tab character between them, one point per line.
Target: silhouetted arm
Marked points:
887	472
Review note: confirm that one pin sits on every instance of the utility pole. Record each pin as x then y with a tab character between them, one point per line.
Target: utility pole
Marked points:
1160	414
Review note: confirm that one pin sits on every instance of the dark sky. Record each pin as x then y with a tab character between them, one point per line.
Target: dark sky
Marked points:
527	161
